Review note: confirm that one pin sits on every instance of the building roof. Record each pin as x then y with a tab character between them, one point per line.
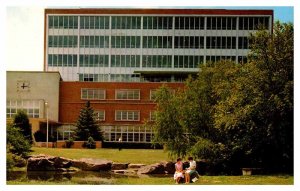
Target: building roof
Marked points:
160	11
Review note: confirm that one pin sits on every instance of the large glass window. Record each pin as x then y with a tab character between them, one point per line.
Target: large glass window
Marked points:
127	94
126	115
221	23
157	61
125	78
126	22
93	94
187	61
253	23
65	60
194	42
94	22
189	23
157	42
31	107
243	43
93	60
99	115
131	61
62	41
217	42
94	41
67	22
125	41
93	77
150	22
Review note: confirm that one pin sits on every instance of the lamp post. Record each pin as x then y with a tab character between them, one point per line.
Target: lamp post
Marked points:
46	105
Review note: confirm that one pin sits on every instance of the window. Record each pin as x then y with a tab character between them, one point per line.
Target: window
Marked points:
125	77
126	22
93	60
62	41
213	42
31	107
253	23
194	42
157	42
93	94
243	43
152	116
99	115
93	77
94	41
94	22
64	60
125	41
157	22
131	61
157	61
127	94
67	22
187	61
126	115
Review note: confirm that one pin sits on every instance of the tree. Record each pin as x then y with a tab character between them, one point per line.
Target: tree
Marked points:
21	120
16	143
86	125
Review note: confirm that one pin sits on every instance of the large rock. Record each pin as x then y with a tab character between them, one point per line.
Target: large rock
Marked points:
157	168
135	165
41	163
92	164
169	167
119	166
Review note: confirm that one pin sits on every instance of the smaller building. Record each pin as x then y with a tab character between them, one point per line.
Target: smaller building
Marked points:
38	94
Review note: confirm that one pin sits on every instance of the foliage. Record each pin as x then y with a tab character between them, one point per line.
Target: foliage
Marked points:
90	143
69	142
86	125
236	114
16	142
21	120
10	163
39	136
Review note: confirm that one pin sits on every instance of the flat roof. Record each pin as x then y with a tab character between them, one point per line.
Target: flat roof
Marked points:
159	11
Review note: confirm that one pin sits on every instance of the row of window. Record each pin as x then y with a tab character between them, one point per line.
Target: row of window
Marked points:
155	22
123	94
31	107
130	61
113	77
123	115
185	42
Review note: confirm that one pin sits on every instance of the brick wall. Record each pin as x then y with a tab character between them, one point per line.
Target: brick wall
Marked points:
70	101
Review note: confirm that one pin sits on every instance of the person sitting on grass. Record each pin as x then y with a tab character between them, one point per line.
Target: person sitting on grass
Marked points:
189	171
178	171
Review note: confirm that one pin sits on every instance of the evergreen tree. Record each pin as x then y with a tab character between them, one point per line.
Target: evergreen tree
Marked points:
21	120
86	125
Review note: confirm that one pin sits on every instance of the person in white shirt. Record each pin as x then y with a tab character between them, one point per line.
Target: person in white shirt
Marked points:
190	170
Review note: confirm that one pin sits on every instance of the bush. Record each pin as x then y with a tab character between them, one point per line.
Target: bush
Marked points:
40	136
69	143
16	142
90	144
10	163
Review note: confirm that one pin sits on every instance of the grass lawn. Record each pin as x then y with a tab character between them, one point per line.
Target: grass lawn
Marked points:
143	156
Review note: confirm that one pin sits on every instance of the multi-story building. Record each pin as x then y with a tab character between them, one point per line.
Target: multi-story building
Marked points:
116	58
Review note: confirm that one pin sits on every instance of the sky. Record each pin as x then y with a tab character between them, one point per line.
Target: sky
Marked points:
25	33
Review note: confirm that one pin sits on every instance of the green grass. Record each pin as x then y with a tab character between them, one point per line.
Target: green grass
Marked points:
204	180
143	156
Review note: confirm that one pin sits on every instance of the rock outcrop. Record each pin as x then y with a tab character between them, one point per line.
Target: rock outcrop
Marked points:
92	164
157	168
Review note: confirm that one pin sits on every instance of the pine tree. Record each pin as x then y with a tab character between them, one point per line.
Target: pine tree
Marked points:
86	125
21	120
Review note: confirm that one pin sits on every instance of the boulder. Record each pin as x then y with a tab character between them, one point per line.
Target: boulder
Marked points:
40	164
135	165
169	167
119	166
157	168
92	164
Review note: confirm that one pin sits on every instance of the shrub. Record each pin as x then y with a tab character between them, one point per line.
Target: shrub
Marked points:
90	144
10	163
69	142
16	142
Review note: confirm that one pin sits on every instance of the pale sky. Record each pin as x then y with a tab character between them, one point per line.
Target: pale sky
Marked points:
25	34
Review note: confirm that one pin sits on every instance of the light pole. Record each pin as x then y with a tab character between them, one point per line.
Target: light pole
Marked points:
46	105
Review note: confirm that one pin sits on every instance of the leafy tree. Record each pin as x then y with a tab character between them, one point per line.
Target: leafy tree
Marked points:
86	125
16	142
21	120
